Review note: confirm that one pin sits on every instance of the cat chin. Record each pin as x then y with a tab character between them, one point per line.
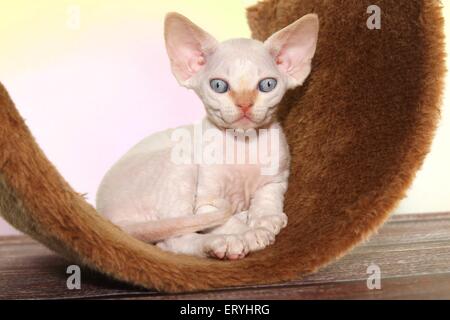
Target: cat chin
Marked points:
245	125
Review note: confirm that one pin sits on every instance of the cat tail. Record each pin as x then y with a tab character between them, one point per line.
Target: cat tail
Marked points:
158	230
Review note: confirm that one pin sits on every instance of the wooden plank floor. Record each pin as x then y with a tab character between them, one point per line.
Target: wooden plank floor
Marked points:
412	252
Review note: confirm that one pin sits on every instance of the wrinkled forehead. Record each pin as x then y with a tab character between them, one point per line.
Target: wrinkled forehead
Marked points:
242	62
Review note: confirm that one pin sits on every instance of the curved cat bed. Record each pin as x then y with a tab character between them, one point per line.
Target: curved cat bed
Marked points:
358	129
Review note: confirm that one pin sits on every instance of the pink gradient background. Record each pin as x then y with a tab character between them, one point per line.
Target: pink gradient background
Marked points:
90	94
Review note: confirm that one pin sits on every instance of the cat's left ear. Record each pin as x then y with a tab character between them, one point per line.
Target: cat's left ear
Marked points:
293	48
188	46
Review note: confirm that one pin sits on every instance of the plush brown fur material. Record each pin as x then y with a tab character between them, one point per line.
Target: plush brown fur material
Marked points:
358	129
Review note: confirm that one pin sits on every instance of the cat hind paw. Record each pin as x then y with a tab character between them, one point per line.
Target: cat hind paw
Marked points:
230	247
259	238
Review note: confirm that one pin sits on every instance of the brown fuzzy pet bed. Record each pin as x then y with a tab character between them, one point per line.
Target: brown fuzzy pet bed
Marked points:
359	129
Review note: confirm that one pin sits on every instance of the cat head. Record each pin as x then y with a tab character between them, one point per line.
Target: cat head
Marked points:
240	81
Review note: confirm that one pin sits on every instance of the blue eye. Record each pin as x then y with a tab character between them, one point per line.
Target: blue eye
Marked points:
219	86
267	85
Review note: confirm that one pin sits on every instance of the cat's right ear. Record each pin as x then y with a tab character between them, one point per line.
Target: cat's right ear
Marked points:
188	46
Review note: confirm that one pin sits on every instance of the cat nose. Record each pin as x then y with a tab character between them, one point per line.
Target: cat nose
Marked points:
245	107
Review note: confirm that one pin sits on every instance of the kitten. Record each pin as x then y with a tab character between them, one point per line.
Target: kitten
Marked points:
220	209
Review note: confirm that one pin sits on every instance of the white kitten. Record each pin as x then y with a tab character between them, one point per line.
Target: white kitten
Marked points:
237	207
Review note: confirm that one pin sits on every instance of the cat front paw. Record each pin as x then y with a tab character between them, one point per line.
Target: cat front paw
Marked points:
259	238
231	247
273	223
